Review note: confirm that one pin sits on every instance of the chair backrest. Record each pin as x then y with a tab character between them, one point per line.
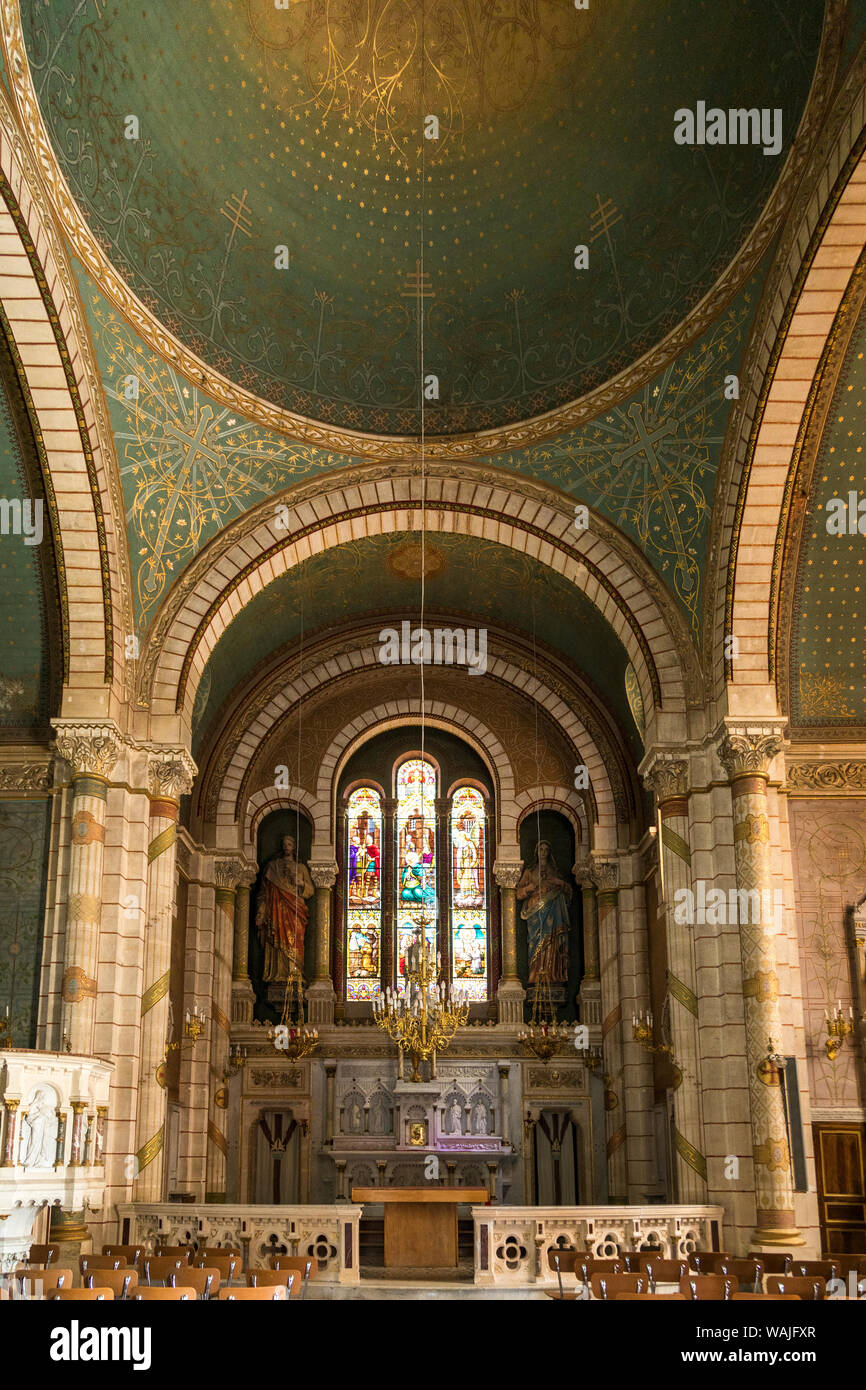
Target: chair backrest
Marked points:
632	1263
307	1265
825	1269
748	1273
44	1254
84	1295
275	1278
220	1250
123	1281
652	1297
774	1262
131	1253
204	1281
660	1271
89	1262
157	1268
182	1252
773	1297
563	1260
607	1286
702	1261
229	1265
181	1294
262	1293
715	1286
42	1281
808	1286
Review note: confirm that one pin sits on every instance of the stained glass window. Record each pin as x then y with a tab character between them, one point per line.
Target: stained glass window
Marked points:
469	934
416	858
364	889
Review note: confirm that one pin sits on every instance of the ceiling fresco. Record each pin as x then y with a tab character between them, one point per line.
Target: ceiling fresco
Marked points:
828	633
464	576
259	129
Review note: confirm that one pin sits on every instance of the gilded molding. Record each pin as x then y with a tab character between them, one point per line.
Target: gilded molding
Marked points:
26	777
827	777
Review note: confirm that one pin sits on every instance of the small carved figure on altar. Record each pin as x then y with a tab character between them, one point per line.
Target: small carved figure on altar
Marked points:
456	1114
40	1132
545	896
281	913
479	1118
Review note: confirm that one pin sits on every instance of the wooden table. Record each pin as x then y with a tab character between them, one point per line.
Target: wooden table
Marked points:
421	1223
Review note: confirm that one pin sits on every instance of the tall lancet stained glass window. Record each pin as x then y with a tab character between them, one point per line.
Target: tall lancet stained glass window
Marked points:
469	934
416	858
364	888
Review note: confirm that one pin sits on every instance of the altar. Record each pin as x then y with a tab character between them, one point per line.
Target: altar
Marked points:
421	1223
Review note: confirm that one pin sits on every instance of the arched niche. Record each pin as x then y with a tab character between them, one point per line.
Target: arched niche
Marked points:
543	824
269	837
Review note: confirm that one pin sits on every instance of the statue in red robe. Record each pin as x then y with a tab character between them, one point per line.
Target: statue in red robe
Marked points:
281	913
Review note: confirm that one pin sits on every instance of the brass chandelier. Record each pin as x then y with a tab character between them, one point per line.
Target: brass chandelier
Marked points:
424	1018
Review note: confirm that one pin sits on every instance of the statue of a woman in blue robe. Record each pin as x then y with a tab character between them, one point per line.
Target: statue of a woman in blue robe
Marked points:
545	896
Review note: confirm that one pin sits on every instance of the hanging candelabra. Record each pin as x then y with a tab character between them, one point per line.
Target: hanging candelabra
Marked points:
193	1027
424	1018
545	1037
643	1032
838	1029
291	1035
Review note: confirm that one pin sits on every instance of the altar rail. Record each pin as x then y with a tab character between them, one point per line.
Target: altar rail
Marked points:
328	1232
511	1243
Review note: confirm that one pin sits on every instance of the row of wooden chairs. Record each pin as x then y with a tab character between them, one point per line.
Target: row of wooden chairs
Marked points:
716	1287
747	1269
125	1269
181	1294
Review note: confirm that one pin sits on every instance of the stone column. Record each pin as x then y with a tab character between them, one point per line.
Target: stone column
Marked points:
668	777
589	996
746	752
605	875
243	994
194	1079
10	1105
91	749
76	1154
504	1102
170	776
227	873
320	993
511	994
330	1098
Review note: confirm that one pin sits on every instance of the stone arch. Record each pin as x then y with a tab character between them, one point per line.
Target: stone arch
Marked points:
268	799
570	805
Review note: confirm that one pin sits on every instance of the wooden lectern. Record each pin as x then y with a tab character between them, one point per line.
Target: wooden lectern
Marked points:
421	1223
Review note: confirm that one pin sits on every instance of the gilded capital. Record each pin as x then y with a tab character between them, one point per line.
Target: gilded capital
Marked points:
667	777
228	873
170	773
91	748
323	875
507	872
605	875
749	749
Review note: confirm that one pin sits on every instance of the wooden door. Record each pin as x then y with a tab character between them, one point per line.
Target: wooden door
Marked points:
840	1162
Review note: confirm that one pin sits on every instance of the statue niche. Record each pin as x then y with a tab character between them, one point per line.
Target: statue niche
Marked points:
281	914
544	896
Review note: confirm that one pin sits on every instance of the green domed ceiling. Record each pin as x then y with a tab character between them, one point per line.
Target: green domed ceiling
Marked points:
262	127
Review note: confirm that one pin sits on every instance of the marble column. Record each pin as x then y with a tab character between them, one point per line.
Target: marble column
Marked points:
320	993
91	749
668	778
746	752
605	875
243	994
227	873
511	994
170	776
589	996
10	1105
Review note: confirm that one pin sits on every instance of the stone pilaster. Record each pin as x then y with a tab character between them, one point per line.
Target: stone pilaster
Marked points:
589	995
320	993
668	778
746	753
510	994
170	776
227	873
243	994
91	749
605	874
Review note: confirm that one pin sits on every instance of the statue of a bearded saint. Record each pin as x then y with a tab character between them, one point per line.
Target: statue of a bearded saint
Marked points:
281	913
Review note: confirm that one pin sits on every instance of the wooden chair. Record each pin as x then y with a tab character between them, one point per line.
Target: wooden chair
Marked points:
607	1286
206	1282
774	1262
563	1262
825	1269
633	1263
748	1273
305	1265
37	1282
84	1295
714	1286
182	1252
229	1265
180	1294
220	1250
275	1279
660	1271
262	1294
701	1261
44	1254
773	1297
805	1286
650	1297
88	1263
132	1254
120	1280
157	1268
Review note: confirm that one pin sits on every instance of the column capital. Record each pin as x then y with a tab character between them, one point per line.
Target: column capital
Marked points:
666	775
324	875
170	772
90	746
582	872
605	875
750	747
508	872
228	873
